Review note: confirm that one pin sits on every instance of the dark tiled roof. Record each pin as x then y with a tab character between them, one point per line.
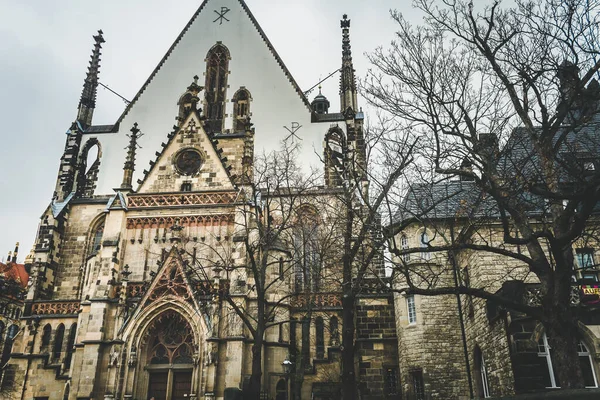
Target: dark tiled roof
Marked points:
520	166
100	129
332	117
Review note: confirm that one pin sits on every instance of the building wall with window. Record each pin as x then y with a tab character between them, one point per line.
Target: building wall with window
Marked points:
502	352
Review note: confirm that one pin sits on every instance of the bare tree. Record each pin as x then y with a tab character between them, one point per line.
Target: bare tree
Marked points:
505	98
260	260
369	172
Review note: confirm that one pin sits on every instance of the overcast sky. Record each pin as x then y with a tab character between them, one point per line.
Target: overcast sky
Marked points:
44	51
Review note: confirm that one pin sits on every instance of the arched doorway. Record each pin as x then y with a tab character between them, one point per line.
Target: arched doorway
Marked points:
169	350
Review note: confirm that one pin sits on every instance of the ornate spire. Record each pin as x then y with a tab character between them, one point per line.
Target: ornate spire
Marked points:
90	85
14	257
129	166
347	78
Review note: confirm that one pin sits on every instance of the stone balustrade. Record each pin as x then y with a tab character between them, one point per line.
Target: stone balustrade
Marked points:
67	307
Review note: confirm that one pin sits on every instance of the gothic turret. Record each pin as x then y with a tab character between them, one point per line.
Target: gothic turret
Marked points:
87	103
347	78
129	166
320	104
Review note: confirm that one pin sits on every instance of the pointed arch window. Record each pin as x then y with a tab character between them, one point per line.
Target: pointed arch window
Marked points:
96	240
307	271
89	166
217	69
46	334
334	332
70	346
58	342
241	109
320	328
169	356
334	157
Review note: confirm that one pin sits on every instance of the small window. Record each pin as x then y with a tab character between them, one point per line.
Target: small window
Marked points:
186	187
391	382
281	274
425	255
97	238
418	384
404	245
334	333
411	309
585	262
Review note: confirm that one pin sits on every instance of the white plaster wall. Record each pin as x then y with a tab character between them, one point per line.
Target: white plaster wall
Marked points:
275	103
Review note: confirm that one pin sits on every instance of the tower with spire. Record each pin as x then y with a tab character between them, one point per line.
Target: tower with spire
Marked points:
347	78
87	103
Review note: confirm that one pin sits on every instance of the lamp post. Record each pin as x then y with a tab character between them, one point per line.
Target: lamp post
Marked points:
287	369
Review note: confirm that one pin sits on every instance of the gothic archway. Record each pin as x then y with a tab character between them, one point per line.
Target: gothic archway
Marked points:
168	355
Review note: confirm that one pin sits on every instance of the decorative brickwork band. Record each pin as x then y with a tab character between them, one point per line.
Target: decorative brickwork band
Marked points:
173	200
183	220
317	300
55	308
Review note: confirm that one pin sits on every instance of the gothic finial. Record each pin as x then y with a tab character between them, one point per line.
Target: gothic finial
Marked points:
347	79
129	166
90	85
14	257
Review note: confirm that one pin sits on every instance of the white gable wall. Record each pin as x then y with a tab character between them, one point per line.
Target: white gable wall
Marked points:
275	103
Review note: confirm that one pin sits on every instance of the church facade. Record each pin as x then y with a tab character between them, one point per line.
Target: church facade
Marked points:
139	282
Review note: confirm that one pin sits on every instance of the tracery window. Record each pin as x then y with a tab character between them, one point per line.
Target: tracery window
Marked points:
241	109
170	340
307	270
217	66
334	157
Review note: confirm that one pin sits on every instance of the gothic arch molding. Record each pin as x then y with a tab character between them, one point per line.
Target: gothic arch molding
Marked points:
135	336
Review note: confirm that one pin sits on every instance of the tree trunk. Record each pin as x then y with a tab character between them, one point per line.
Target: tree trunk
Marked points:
561	329
349	388
254	386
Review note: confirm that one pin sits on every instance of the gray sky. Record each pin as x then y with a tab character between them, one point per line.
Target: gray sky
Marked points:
45	48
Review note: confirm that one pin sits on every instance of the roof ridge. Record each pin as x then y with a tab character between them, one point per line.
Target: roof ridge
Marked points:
279	60
161	63
260	31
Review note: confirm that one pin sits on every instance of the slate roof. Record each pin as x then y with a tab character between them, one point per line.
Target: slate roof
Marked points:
519	165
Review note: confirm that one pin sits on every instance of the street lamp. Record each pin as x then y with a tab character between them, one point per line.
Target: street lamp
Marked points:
287	369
